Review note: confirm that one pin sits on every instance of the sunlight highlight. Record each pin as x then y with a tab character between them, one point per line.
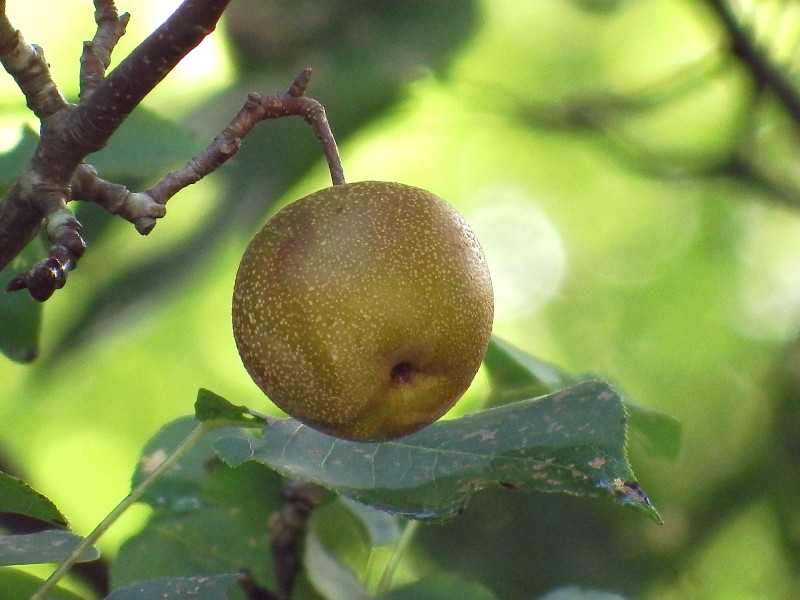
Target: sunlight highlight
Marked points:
526	255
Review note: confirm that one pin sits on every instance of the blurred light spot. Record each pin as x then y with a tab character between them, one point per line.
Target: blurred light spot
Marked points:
770	285
11	131
524	250
85	470
205	63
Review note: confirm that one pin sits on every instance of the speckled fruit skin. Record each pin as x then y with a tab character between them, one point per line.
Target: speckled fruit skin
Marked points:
364	310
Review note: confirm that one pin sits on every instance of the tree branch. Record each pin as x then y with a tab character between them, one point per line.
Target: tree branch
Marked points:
87	186
763	70
96	55
26	64
69	133
288	529
98	117
225	145
57	173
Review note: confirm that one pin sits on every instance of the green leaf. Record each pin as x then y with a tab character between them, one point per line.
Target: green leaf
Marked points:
572	441
330	577
20	315
383	528
404	36
344	539
575	593
516	375
212	407
18	497
13	161
441	586
144	146
18	585
181	489
50	546
223	529
658	434
207	587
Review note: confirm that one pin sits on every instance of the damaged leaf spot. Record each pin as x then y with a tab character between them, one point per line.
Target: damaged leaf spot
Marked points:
597	463
150	462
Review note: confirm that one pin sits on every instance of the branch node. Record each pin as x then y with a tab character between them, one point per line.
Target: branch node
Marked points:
288	528
44	278
96	56
66	246
300	84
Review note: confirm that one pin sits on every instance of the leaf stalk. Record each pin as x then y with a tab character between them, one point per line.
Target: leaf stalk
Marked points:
186	446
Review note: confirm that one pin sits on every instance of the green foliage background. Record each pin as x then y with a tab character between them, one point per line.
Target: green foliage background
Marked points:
636	195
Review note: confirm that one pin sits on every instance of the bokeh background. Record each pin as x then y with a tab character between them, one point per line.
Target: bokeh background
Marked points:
636	189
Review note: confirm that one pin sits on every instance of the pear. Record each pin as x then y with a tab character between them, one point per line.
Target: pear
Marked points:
364	310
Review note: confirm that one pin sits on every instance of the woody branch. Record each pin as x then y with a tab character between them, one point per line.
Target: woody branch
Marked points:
57	172
71	132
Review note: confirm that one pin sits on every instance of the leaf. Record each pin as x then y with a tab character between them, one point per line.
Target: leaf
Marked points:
382	527
20	315
329	576
658	433
18	585
516	375
403	36
212	407
13	161
144	146
203	587
18	497
600	6
343	536
575	593
50	546
181	489
441	586
572	441
209	518
223	530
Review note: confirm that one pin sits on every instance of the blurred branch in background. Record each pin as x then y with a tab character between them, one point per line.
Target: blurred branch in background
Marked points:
757	59
750	163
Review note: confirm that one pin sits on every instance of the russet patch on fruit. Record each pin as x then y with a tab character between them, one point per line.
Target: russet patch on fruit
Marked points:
364	310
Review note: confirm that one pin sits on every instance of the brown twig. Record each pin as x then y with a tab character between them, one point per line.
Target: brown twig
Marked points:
252	589
56	174
96	55
69	133
288	529
88	186
94	121
26	64
256	109
67	245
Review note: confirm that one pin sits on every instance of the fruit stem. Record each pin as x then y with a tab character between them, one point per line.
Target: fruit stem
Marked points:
316	117
314	114
180	452
394	562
